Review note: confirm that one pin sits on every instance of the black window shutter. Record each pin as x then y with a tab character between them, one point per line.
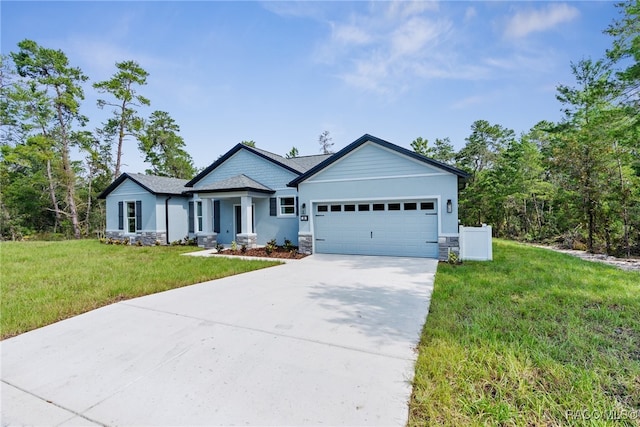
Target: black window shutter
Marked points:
138	214
296	205
120	215
216	216
191	224
273	206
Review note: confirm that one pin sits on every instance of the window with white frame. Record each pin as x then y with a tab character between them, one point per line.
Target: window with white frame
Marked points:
199	215
287	206
131	217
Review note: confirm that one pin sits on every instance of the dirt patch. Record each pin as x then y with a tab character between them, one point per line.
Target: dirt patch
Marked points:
630	264
278	253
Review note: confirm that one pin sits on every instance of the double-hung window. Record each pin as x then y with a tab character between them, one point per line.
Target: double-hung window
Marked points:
130	216
287	206
199	215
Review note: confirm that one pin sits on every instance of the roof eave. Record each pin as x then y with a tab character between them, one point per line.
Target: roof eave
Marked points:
231	190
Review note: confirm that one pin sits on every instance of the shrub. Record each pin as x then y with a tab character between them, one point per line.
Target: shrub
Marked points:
288	246
453	258
234	246
243	249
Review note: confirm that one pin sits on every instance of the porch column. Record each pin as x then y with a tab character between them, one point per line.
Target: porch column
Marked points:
247	236
247	216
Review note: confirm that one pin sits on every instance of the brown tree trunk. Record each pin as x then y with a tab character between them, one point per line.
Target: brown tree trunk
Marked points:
54	198
69	175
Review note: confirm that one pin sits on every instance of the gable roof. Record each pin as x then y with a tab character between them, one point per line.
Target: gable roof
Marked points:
369	138
236	183
159	185
296	165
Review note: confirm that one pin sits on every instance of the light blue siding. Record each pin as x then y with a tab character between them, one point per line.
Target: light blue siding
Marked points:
371	160
129	191
253	166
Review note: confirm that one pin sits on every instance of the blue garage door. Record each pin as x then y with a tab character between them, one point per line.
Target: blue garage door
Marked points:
393	228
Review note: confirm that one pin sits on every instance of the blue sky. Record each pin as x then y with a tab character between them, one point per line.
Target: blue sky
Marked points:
280	73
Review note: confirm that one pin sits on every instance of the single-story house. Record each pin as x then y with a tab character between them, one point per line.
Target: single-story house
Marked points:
370	198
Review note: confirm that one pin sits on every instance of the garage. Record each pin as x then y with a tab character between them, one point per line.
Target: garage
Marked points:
377	227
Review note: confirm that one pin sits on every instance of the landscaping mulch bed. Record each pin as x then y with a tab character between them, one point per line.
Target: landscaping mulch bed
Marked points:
262	252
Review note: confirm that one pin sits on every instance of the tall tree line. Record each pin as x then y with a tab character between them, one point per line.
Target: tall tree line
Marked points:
44	187
575	182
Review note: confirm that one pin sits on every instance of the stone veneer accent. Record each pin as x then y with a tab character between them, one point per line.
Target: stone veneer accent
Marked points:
448	243
305	243
207	241
250	240
148	238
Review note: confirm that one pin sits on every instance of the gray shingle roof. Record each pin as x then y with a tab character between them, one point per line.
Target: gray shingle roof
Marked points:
151	183
301	164
307	162
235	183
160	184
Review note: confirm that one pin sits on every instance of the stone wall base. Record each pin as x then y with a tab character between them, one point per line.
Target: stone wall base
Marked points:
207	241
305	243
146	238
446	245
250	240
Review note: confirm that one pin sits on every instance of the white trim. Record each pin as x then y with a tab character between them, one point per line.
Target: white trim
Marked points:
196	224
315	202
279	206
126	217
231	195
422	175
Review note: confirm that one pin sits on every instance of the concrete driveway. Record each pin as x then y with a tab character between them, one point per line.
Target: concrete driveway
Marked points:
329	340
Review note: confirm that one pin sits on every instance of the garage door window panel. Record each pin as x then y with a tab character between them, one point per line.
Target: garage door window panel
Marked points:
349	208
410	206
336	208
394	206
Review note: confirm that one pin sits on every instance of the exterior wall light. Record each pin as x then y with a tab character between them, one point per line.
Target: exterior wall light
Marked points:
449	206
304	209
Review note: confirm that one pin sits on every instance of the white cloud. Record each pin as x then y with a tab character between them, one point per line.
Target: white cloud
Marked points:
350	34
405	9
527	22
413	35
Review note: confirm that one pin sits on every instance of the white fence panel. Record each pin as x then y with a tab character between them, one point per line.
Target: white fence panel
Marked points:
475	243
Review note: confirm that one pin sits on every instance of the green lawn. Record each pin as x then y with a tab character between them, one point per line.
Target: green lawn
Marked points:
43	282
533	338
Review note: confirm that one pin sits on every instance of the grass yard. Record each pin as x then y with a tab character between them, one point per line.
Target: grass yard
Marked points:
534	338
43	282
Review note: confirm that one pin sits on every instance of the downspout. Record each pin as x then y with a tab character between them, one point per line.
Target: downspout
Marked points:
166	216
